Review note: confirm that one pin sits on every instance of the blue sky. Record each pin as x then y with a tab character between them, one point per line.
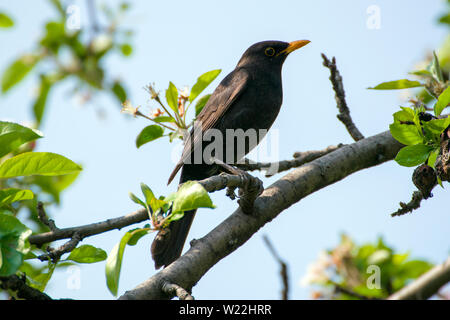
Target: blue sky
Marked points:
179	40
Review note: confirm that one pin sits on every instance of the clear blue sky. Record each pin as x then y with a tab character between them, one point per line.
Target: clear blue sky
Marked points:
177	41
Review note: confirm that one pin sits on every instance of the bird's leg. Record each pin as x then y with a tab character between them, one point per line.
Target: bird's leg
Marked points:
251	187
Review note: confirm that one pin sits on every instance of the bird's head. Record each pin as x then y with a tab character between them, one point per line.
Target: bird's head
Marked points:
270	53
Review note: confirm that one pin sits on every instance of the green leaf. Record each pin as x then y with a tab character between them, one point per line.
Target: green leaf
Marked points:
443	101
422	73
172	97
406	134
403	116
147	192
435	69
150	198
14	244
119	91
114	264
397	84
11	195
37	163
432	158
436	126
445	19
413	269
40	280
126	49
17	71
399	258
13	135
55	36
191	195
115	257
54	185
176	216
163	119
87	254
201	103
5	21
414	155
202	82
41	100
137	234
148	134
135	199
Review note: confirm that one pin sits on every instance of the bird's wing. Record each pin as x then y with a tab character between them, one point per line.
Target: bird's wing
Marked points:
220	101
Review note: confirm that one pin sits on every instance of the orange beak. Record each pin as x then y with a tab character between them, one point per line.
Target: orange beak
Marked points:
294	45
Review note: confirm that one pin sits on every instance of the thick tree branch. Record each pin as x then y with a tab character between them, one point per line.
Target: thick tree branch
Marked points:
172	289
238	228
338	87
426	285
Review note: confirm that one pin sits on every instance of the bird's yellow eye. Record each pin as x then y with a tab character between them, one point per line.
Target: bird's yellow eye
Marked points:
269	51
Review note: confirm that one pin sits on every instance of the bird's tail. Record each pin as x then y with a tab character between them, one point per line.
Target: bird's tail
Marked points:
169	242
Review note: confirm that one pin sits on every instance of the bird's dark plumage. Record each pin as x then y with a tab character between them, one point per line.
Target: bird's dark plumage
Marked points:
249	97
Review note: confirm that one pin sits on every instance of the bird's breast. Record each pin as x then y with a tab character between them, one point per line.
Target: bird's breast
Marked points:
256	108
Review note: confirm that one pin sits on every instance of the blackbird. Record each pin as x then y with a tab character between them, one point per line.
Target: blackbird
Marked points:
249	97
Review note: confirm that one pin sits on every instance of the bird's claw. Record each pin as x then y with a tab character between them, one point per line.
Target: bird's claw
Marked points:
251	187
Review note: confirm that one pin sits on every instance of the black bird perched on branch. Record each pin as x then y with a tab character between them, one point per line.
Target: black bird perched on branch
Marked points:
249	97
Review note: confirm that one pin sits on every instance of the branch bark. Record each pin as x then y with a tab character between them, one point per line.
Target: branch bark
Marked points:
426	285
288	190
89	229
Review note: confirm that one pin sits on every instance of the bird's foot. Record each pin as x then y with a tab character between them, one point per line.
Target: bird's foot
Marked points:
250	188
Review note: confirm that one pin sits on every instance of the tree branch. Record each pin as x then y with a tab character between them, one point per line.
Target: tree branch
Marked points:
426	285
238	228
338	87
23	291
414	204
55	254
300	158
283	267
42	215
89	229
172	289
76	234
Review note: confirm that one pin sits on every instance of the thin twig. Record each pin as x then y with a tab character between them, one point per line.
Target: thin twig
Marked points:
414	204
300	158
90	229
338	87
283	271
42	215
55	254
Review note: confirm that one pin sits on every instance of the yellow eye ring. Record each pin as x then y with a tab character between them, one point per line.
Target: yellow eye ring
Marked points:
269	51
